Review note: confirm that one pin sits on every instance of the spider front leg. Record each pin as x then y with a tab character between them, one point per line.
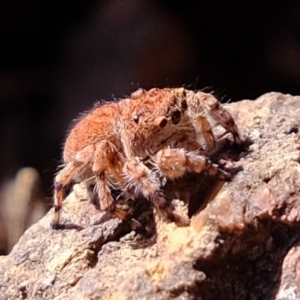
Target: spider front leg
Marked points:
220	115
204	134
142	181
174	163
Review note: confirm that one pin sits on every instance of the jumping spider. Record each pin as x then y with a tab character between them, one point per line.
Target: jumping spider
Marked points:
133	144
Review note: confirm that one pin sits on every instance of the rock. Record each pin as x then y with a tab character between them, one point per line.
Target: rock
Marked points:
22	204
242	243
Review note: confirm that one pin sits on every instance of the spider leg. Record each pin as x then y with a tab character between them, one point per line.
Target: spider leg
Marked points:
174	163
204	134
220	115
64	178
147	184
108	159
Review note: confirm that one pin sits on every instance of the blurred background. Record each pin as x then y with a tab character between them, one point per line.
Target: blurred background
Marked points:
59	57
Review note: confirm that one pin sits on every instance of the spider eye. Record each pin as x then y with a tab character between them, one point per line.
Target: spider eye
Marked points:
161	122
136	118
176	116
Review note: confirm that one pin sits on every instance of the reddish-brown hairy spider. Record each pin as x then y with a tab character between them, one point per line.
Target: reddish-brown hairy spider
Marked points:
134	143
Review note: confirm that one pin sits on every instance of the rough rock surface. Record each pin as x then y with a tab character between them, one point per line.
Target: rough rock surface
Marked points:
242	243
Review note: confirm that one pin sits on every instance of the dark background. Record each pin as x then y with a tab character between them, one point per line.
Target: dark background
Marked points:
58	58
